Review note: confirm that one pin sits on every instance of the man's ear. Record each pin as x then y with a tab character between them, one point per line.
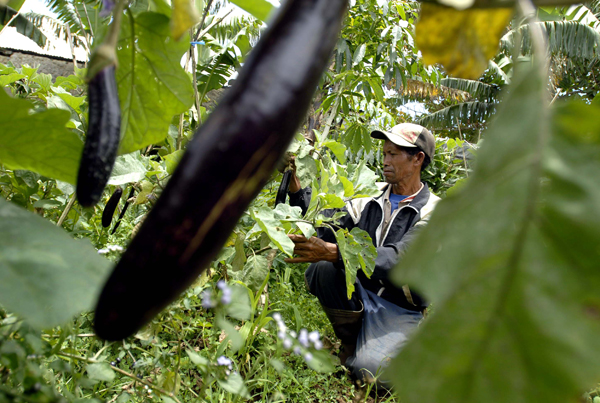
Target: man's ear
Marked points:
419	158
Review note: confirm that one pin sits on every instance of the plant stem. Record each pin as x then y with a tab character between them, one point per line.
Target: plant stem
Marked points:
463	149
122	372
63	216
212	24
201	25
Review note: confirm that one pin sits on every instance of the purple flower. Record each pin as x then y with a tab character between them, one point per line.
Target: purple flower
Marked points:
281	335
107	7
308	357
297	350
207	301
313	336
224	362
303	337
318	345
287	343
226	292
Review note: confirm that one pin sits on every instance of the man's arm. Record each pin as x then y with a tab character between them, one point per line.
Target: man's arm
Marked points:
389	255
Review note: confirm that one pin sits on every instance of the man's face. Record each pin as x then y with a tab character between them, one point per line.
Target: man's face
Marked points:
398	165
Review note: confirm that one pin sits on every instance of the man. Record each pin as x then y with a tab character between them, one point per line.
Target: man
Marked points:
392	220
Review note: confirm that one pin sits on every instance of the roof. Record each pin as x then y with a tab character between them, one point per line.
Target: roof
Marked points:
56	49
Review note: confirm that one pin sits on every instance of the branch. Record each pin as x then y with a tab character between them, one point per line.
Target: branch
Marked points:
66	211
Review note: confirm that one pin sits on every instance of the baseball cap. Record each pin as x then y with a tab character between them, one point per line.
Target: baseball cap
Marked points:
409	135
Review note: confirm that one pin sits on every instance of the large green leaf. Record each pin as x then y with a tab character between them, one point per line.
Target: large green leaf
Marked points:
128	169
260	9
153	87
265	218
511	264
22	24
570	38
45	276
39	142
358	253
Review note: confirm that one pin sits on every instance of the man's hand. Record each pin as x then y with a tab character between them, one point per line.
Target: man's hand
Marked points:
312	250
294	181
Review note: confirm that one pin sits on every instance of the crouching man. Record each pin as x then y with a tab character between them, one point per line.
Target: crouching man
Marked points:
375	322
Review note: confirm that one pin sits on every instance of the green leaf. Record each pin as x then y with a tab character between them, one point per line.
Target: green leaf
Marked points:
71	100
172	160
255	271
45	275
198	360
358	252
359	54
128	168
321	362
153	87
47	203
185	16
240	307
364	180
331	201
234	336
260	9
123	398
10	78
337	148
235	384
38	142
348	186
514	280
265	218
240	253
22	24
100	372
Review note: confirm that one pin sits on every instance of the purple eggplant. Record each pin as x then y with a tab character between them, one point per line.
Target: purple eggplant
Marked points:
229	160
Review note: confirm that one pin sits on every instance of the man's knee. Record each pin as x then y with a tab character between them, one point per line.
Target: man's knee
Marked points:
321	277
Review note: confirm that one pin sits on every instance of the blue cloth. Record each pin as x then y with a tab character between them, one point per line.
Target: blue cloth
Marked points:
385	329
395	199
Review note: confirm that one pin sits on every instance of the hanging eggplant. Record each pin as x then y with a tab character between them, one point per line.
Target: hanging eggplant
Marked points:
131	193
283	187
104	118
111	206
229	160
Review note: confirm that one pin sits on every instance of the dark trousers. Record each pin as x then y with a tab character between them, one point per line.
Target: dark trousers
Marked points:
328	284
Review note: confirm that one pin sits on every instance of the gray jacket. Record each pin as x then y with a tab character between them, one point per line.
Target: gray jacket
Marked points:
367	214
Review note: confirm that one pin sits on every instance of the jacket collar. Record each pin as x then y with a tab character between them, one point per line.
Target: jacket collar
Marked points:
418	202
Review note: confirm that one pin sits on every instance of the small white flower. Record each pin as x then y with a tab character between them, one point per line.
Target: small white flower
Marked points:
287	343
103	251
115	248
281	335
318	345
293	334
313	336
308	357
277	317
297	350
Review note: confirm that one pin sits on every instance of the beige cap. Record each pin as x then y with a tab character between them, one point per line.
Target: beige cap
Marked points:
409	135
